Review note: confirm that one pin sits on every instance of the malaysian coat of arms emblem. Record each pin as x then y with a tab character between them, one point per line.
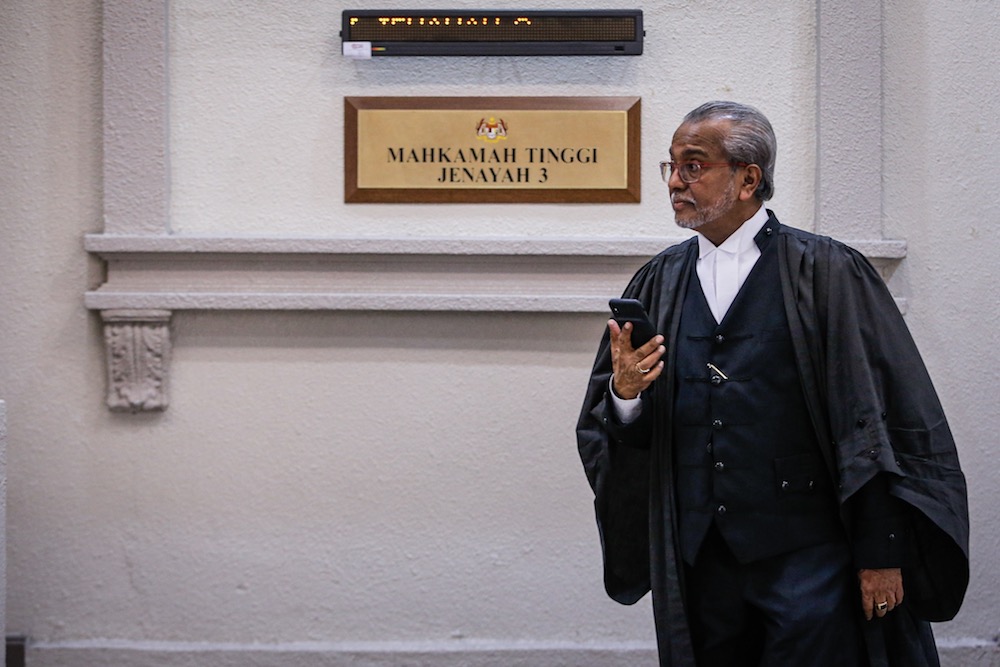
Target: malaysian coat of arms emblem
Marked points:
492	130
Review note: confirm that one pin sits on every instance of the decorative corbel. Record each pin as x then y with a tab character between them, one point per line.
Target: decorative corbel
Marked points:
137	345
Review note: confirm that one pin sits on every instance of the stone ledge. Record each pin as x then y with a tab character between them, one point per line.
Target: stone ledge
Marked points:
394	274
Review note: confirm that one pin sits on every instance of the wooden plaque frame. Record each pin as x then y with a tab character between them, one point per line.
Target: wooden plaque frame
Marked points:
627	192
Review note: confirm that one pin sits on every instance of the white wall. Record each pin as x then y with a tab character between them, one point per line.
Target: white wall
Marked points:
942	120
257	106
331	478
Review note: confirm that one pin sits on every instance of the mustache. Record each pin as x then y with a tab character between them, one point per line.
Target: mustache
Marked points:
676	198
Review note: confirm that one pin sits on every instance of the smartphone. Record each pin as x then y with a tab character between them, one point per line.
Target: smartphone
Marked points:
631	310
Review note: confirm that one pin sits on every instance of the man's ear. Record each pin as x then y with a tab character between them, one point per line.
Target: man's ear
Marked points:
751	180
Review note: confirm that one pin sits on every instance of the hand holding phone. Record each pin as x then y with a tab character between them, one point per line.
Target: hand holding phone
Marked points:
631	310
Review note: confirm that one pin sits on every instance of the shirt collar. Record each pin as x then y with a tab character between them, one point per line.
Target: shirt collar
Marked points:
739	241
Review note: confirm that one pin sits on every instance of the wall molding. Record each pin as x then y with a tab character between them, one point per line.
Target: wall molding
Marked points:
149	277
506	275
461	653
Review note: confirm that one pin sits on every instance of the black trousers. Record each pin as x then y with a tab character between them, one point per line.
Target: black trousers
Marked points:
800	609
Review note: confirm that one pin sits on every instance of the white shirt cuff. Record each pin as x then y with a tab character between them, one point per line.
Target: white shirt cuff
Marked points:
628	409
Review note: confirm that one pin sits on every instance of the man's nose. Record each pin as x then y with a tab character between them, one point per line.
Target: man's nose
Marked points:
675	182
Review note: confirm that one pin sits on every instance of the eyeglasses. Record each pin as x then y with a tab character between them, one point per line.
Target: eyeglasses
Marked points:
690	172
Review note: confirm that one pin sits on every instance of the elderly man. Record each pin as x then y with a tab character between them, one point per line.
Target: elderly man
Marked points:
774	464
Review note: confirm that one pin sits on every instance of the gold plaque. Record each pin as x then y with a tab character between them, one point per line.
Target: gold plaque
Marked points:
491	149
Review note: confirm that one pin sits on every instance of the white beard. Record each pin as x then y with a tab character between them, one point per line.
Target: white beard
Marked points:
711	213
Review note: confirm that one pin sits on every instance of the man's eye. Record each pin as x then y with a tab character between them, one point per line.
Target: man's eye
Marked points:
692	167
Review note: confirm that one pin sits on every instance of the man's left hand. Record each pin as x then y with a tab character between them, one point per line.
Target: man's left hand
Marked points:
881	591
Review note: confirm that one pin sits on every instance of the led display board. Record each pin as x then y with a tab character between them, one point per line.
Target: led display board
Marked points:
493	32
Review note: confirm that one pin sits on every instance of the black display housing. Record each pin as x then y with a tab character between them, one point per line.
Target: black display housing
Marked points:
455	32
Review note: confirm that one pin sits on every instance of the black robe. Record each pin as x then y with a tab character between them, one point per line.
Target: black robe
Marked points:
874	409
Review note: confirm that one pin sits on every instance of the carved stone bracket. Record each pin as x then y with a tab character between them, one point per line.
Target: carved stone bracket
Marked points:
137	344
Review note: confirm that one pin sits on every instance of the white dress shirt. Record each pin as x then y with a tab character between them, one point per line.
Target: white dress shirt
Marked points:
722	270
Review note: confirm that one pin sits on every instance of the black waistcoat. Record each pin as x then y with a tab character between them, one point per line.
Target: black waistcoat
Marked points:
746	452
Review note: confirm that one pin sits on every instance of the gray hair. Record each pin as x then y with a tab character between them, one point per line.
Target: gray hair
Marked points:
750	139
